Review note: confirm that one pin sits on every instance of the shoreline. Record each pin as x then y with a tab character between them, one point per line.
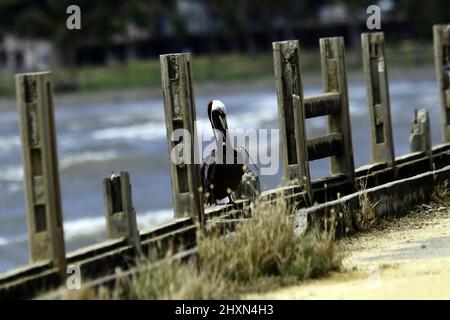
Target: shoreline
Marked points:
210	88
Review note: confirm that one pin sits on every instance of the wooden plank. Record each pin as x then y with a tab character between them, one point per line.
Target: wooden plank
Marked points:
322	105
40	163
323	147
375	70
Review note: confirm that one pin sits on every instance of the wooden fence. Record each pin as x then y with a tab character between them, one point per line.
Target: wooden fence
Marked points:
48	260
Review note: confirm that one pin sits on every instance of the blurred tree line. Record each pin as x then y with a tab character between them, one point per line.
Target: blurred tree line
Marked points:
46	19
232	18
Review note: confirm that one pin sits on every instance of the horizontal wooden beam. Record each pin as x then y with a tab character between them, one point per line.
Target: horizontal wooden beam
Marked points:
321	105
323	147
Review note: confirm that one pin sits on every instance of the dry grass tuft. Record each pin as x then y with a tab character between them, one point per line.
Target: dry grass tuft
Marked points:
171	280
366	217
267	246
441	193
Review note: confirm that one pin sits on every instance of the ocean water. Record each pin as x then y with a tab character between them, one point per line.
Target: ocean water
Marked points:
97	139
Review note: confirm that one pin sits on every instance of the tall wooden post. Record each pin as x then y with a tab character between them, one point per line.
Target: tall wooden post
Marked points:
441	37
286	59
375	69
40	163
332	52
183	153
119	210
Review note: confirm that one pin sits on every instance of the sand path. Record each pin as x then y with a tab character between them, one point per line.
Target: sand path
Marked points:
401	258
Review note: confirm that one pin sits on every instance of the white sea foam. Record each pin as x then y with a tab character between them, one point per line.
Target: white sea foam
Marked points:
8	241
15	173
152	218
11	174
8	143
88	156
90	226
83	227
147	131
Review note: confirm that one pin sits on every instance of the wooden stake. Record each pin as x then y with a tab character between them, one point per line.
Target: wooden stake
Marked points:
119	210
420	139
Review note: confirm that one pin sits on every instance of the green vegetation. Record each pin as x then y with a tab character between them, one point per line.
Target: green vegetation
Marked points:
263	252
233	20
46	19
218	68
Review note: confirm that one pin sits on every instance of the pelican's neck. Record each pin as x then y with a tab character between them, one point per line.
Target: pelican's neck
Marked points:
222	139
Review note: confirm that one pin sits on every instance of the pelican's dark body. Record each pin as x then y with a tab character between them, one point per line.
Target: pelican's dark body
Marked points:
218	179
219	176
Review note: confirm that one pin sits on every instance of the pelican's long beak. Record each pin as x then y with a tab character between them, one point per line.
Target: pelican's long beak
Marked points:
220	127
223	121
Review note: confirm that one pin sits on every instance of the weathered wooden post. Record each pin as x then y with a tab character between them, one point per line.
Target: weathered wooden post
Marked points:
119	210
332	52
183	151
301	144
420	139
286	58
375	70
40	163
441	38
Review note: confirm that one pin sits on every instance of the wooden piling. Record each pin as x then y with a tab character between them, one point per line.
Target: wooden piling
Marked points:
420	139
332	52
119	210
375	70
180	114
441	39
286	59
40	164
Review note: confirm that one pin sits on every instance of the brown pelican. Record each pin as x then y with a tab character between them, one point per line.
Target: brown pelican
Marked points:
221	177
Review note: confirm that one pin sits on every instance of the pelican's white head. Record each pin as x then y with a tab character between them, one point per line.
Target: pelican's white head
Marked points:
219	106
217	115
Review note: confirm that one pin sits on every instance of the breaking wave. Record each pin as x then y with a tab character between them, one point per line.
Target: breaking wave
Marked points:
91	226
15	173
94	226
147	131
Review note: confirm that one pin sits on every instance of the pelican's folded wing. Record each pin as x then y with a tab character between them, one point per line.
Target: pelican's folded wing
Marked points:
250	186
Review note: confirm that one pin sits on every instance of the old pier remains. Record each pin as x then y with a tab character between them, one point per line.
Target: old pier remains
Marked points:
394	183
